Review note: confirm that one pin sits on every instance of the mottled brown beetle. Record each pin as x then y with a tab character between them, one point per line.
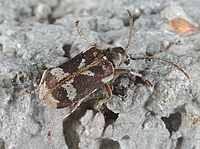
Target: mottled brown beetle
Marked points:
68	84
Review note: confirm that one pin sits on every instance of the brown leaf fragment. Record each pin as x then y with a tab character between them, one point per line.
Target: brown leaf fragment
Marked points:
181	26
193	119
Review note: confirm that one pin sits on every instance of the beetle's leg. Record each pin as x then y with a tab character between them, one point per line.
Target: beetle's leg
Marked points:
135	74
109	91
73	108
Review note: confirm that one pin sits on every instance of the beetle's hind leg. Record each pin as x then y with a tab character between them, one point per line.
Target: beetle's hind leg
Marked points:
109	91
73	108
135	74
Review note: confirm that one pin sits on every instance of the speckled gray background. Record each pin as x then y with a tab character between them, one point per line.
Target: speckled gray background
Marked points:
36	35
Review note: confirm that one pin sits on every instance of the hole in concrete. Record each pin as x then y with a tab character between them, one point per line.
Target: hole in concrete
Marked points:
21	79
126	137
138	80
173	122
109	144
2	144
153	48
1	47
51	19
120	91
121	84
110	117
178	145
71	124
67	49
69	130
126	21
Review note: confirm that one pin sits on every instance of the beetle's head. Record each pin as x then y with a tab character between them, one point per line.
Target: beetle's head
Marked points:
117	56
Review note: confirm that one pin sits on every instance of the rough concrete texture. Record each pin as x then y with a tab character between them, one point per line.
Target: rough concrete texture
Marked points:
36	35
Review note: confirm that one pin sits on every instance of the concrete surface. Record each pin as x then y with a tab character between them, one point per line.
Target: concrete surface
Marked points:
36	35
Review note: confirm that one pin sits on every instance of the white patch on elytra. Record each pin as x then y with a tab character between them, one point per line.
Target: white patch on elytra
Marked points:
105	58
59	73
46	97
88	73
82	63
71	91
107	79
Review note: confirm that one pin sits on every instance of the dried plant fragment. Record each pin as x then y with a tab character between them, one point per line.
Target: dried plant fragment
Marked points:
181	26
193	119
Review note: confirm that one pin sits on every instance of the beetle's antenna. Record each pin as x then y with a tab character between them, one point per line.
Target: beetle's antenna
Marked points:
83	37
130	31
160	59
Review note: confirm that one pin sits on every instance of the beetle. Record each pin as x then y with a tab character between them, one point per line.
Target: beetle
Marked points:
67	84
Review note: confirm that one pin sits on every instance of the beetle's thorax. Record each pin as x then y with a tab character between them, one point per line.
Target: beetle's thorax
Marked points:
117	56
